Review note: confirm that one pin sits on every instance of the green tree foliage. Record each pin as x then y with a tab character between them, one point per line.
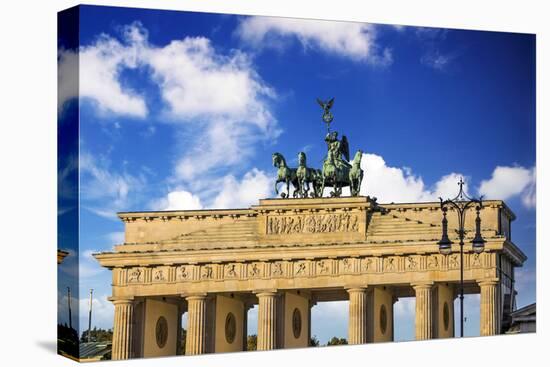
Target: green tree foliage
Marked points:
313	341
67	340
337	341
97	335
252	342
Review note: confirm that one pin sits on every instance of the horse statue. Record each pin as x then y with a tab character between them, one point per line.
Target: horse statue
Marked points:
356	174
285	174
337	175
307	176
333	176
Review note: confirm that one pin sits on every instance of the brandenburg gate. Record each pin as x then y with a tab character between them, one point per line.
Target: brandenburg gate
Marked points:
289	253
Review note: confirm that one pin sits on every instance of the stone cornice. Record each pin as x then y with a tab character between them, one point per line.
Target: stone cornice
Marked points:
271	253
514	253
184	214
403	207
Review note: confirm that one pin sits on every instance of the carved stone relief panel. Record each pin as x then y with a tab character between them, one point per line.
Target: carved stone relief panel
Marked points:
135	275
278	269
231	271
160	274
368	265
412	262
301	268
184	273
207	272
453	261
390	264
434	262
323	267
475	260
303	224
346	266
255	270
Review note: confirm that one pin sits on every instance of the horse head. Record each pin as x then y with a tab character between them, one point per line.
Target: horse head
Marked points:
302	159
278	160
357	158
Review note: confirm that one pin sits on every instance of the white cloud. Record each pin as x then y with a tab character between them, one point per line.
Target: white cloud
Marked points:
67	181
198	82
447	186
218	96
510	181
88	265
222	95
436	60
99	67
67	77
100	184
526	278
252	321
254	185
226	192
399	184
356	41
102	312
63	308
330	319
404	307
115	237
178	200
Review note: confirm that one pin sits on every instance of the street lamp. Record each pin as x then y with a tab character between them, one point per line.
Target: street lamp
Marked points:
461	203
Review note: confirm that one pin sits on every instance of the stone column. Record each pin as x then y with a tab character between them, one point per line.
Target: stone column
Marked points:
488	315
267	320
424	312
357	326
122	329
195	342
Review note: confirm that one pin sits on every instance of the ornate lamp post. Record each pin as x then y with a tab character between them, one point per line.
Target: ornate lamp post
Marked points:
461	203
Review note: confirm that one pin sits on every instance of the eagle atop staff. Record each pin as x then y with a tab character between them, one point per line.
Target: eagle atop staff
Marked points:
327	115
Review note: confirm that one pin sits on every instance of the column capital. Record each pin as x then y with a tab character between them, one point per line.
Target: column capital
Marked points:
356	288
121	300
422	285
488	281
266	293
194	296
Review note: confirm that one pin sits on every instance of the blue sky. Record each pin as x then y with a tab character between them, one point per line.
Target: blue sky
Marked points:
183	110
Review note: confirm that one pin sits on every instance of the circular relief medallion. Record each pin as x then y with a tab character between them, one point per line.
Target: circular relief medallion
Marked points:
296	323
161	332
446	316
383	319
230	328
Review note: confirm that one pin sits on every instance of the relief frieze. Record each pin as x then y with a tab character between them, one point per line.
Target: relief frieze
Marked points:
325	223
298	268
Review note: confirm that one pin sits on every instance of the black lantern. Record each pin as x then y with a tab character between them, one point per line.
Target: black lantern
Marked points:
445	243
478	243
461	204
